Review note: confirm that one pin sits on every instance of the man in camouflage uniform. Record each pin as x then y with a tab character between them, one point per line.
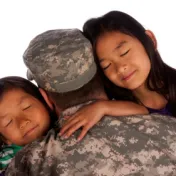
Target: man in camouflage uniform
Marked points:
145	145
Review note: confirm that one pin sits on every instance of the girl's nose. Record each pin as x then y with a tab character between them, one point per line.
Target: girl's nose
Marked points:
122	68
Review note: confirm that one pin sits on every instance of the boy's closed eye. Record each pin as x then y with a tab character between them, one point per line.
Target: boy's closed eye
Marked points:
9	123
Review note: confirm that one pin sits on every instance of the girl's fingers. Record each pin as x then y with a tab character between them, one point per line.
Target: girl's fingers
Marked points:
76	115
84	131
73	128
67	125
70	119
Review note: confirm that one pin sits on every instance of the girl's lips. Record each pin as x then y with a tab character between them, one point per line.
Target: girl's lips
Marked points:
125	78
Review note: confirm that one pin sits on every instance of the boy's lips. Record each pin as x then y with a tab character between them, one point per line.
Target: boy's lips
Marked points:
30	131
127	77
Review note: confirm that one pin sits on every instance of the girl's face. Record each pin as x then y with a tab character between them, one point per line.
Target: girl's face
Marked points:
123	60
23	118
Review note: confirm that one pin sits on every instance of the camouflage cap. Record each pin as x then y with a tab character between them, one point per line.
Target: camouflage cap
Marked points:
60	60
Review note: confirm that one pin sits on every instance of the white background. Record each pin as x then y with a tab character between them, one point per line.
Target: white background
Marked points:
21	20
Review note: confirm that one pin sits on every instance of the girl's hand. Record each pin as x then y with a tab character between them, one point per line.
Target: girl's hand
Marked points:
86	117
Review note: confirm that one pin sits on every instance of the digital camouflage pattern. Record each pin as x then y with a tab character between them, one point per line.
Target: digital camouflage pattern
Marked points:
116	146
60	60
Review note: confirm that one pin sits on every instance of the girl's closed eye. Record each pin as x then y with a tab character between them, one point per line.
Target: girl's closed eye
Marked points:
106	67
27	107
125	53
105	64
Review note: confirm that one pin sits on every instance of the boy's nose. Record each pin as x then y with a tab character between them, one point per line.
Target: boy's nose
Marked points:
24	124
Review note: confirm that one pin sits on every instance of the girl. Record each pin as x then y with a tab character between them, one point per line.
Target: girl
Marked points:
132	70
24	116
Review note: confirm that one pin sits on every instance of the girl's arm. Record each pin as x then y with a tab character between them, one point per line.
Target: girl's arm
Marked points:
89	115
121	108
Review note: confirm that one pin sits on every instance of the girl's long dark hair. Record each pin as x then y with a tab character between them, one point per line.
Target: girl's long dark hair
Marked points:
162	78
14	82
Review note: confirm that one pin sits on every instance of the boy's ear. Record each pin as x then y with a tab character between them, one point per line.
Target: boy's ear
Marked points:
46	98
152	36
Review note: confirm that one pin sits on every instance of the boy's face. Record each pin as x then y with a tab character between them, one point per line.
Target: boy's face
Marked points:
23	118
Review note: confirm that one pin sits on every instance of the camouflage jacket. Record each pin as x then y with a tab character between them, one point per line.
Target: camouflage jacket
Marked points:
116	146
